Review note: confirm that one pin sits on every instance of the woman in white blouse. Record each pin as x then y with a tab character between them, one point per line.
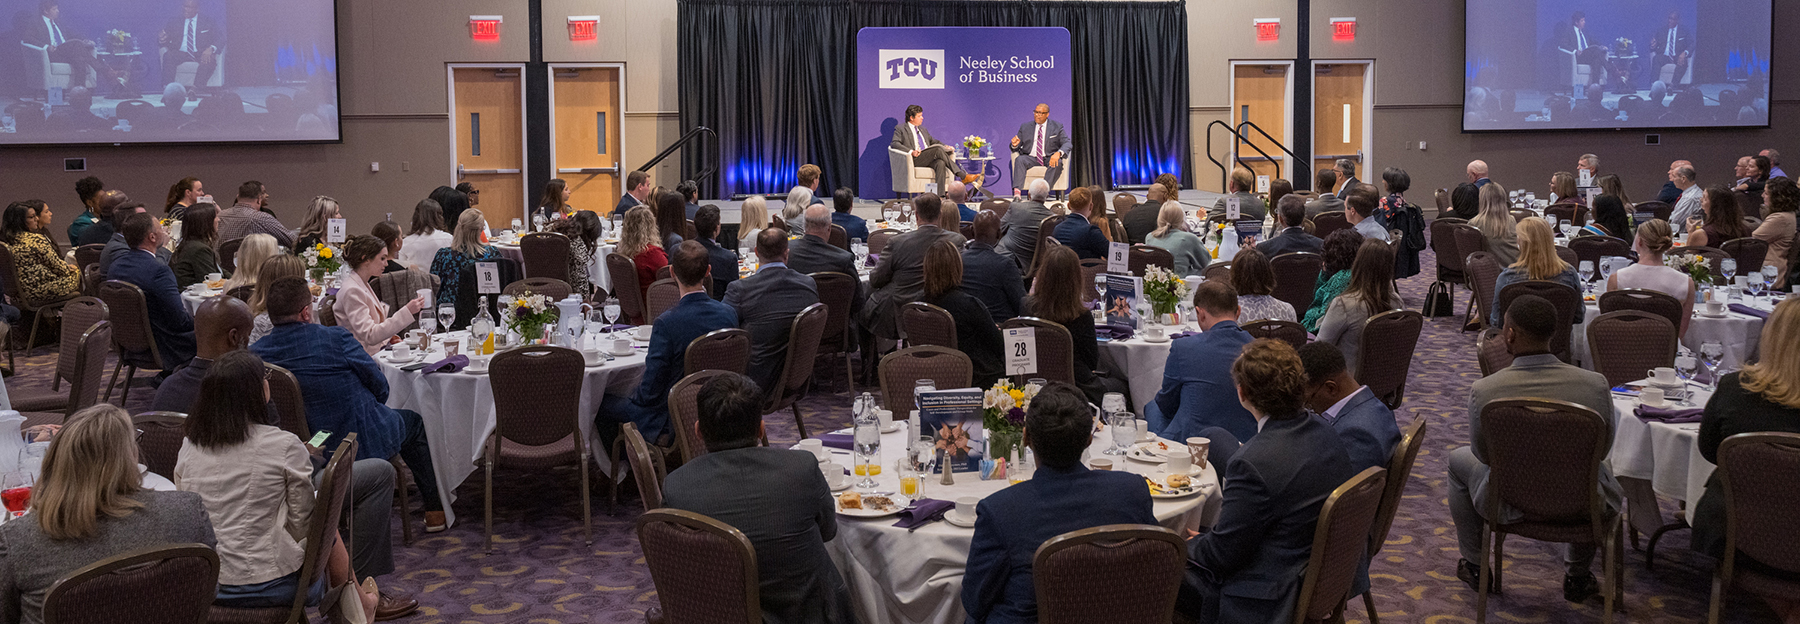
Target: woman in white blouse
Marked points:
255	481
1654	238
358	309
425	237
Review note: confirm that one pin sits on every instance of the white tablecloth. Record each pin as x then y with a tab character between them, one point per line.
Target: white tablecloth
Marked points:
597	274
458	410
1739	333
192	298
1666	455
1141	362
897	576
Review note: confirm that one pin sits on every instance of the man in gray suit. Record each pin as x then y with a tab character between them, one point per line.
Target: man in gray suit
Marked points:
1241	186
766	304
900	277
812	253
776	497
1346	171
1040	143
912	137
1535	372
1326	201
1021	221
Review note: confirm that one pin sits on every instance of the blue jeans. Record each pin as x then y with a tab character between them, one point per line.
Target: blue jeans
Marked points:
276	593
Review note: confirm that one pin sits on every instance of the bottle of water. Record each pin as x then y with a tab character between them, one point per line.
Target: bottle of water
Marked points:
482	327
868	447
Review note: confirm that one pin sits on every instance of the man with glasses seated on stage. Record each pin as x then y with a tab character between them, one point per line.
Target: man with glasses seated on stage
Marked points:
912	137
1041	142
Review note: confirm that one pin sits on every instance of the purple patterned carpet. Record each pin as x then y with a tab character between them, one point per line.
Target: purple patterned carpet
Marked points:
540	572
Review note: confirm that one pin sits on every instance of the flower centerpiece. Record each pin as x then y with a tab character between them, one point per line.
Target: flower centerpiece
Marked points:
1163	289
1622	47
1696	267
1003	417
531	313
118	41
974	144
322	261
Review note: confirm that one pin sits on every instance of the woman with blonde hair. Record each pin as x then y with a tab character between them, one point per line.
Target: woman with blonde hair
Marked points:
753	218
465	249
274	268
1171	234
638	242
251	254
319	214
1649	273
1497	224
793	213
1537	262
88	504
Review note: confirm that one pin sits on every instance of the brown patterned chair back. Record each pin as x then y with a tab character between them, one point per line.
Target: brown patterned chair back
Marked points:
1568	212
1482	271
166	584
537	394
243	293
1123	203
1625	344
131	323
159	440
704	570
90	279
646	465
1285	331
1297	278
838	237
999	206
878	239
1567	301
1046	230
290	405
1593	248
1399	469
777	222
1218	271
400	287
546	255
803	348
1491	353
1385	357
326	310
662	296
1643	300
1443	245
9	277
1543	458
945	367
1143	256
90	367
1468	239
836	291
1090	268
665	272
1660	209
1143	566
1325	223
1757	471
720	349
925	324
89	254
550	287
684	412
1055	348
1340	544
625	287
227	252
1567	255
79	314
1749	253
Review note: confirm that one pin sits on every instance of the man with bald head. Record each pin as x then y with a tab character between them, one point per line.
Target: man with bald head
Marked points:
959	194
1671	193
221	325
1478	173
991	278
1040	142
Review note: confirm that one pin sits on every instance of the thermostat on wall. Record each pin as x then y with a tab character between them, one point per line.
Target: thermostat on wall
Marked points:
1652	139
74	164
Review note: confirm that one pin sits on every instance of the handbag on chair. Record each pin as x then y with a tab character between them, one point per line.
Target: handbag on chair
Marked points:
1439	301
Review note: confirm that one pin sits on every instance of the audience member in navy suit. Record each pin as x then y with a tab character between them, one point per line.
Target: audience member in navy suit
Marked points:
1197	395
989	276
1062	496
959	195
854	226
1077	233
1364	425
723	262
693	316
1249	566
1293	237
767	303
170	323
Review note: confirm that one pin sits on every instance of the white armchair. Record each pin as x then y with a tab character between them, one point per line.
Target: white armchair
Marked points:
1579	75
43	74
185	72
1666	73
908	178
1061	183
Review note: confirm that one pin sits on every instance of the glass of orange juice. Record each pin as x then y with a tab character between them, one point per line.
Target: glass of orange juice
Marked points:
909	479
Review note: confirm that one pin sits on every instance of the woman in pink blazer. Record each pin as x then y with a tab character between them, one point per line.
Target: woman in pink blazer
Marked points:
357	307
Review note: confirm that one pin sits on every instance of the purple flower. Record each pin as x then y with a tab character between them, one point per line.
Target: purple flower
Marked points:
1015	416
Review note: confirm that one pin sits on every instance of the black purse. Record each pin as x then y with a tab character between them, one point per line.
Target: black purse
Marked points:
1439	300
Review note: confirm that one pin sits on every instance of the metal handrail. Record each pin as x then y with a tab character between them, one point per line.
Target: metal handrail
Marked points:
1238	139
710	169
1272	140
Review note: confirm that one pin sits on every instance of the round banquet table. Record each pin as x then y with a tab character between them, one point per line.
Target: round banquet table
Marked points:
1739	333
597	274
900	576
1666	456
193	298
1141	362
458	410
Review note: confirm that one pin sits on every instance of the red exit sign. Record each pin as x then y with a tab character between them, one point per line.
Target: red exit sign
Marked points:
583	27
484	27
1343	28
1268	29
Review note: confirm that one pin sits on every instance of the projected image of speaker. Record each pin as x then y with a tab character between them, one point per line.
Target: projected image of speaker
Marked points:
1598	64
168	71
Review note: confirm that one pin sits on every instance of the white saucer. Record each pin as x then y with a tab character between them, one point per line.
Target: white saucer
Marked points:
619	354
1703	314
1164	339
892	427
956	519
843	483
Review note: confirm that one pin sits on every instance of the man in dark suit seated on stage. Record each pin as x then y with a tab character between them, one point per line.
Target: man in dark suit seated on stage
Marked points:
192	39
637	190
766	304
724	262
693	316
1673	46
1041	142
1293	237
855	227
812	253
1077	233
990	277
1248	567
912	137
170	323
775	496
900	277
1062	496
1141	221
1572	38
45	32
1022	221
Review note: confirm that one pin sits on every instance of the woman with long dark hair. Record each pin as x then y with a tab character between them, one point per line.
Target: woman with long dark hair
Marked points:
976	334
1371	292
671	217
1780	200
1056	296
1723	222
554	204
453	202
195	257
183	194
425	236
43	276
1612	210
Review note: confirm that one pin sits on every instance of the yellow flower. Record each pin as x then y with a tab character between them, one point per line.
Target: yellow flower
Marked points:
325	253
1017	395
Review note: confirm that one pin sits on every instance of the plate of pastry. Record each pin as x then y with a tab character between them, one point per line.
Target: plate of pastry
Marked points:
1167	485
859	505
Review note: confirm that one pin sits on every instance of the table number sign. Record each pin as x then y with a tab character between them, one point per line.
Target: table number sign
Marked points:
335	230
1232	209
1118	258
487	278
1021	351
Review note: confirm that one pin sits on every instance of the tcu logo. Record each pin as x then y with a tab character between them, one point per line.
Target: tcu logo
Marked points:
912	69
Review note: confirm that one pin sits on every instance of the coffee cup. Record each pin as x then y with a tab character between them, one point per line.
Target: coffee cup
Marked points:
412	338
453	347
213	277
1179	463
1652	397
834	474
1663	376
592	357
1100	464
1143	429
965	506
402	351
1715	307
641	332
621	346
1198	449
478	363
887	418
1153	332
814	446
425	293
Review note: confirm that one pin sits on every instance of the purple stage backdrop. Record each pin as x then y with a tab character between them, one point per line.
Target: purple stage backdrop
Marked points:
971	81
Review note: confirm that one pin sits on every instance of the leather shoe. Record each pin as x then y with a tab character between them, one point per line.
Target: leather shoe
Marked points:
1470	574
393	606
435	522
1580	587
971	178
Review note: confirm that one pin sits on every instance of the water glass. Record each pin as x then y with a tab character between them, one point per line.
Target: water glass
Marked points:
611	310
1586	271
1712	354
518	224
446	316
1686	366
1112	402
1728	266
920	387
1123	426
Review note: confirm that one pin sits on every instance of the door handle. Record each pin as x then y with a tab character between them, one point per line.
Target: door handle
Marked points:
613	170
460	171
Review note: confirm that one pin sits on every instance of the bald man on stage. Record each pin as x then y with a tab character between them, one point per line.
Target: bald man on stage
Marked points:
1041	142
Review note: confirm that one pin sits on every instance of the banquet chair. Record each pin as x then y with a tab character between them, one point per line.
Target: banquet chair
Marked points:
400	287
1122	203
1568	212
40	311
227	252
1568	255
1551	480
1055	348
1090	268
1483	272
925	324
836	291
1491	353
320	539
720	349
797	370
1593	248
775	221
1626	343
1061	183
1384	360
945	367
1443	245
1399	469
999	206
1219	271
838	237
243	293
1643	300
660	297
1325	223
327	310
624	281
1045	237
684	412
1340	547
1144	256
88	254
1296	276
1567	301
1285	331
163	584
1748	251
665	272
1143	566
159	440
131	335
646	464
550	287
79	315
703	569
1757	471
546	255
878	239
88	360
1521	214
90	279
537	408
1660	210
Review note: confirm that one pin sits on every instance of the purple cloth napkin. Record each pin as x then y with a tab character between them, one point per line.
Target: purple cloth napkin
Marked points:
448	365
1114	332
924	511
1183	334
1744	309
837	440
1670	416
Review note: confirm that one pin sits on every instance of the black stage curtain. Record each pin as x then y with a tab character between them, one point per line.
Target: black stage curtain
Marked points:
777	80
